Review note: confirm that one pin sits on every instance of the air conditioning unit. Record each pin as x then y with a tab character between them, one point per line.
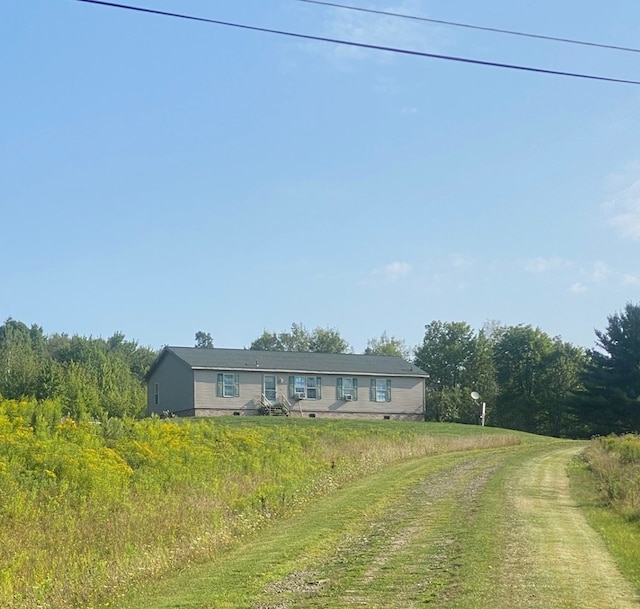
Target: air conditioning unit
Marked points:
347	397
300	396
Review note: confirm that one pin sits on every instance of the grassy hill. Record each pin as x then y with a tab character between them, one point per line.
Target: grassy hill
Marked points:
90	509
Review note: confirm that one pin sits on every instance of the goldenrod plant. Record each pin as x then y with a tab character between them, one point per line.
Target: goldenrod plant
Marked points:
89	508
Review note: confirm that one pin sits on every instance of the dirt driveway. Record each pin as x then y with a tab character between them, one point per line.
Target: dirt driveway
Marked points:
551	555
490	529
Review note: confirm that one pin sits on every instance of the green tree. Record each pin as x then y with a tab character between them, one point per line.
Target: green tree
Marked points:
92	377
537	376
445	352
562	378
121	395
520	353
22	358
267	341
610	402
386	345
481	377
328	340
321	340
138	359
448	356
79	393
204	340
299	339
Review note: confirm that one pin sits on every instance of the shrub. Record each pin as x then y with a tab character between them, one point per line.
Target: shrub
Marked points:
615	460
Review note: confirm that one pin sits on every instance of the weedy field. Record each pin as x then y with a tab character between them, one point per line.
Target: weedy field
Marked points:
615	461
89	510
606	483
496	527
272	513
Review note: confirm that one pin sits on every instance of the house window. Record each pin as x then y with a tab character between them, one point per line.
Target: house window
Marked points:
347	389
228	385
300	387
270	387
380	390
156	394
312	388
307	387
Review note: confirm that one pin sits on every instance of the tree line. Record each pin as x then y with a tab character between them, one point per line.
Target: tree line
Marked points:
528	380
92	378
533	382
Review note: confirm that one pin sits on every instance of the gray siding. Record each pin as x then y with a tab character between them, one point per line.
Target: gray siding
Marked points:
206	398
407	396
175	379
407	399
188	383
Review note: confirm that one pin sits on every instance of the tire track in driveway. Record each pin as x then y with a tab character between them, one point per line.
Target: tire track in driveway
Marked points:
489	529
402	557
552	558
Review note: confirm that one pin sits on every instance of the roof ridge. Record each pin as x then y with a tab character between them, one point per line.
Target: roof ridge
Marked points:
311	362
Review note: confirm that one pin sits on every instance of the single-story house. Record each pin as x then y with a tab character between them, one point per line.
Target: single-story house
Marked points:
188	381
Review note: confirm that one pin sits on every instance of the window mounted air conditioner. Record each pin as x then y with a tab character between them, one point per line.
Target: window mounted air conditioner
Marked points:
300	396
347	397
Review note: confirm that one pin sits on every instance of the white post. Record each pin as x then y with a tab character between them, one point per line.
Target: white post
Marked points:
484	410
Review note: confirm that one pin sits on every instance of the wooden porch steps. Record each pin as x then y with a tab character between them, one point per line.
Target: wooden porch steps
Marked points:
281	408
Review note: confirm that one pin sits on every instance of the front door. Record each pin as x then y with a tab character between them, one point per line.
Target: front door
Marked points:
270	388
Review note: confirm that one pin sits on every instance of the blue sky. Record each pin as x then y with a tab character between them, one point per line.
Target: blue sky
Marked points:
160	176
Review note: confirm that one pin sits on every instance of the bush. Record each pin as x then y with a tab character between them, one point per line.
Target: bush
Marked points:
615	460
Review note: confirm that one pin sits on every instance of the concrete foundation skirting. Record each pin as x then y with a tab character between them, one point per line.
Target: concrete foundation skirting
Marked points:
217	412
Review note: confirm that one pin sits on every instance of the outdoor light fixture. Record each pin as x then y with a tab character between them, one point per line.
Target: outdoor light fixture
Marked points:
476	396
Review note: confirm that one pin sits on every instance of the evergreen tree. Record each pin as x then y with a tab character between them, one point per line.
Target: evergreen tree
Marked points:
610	402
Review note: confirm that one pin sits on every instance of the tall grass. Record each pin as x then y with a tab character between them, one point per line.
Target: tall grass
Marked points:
615	461
87	509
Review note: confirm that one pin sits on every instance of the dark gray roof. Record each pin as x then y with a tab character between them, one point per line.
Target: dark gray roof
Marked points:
294	361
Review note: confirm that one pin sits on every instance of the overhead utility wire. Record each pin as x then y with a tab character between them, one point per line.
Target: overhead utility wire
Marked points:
470	26
362	45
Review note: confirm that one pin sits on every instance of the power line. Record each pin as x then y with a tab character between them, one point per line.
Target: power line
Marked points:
473	27
362	45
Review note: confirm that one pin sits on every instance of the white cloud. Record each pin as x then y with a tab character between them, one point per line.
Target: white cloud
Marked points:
392	272
623	207
459	260
543	265
600	271
629	279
